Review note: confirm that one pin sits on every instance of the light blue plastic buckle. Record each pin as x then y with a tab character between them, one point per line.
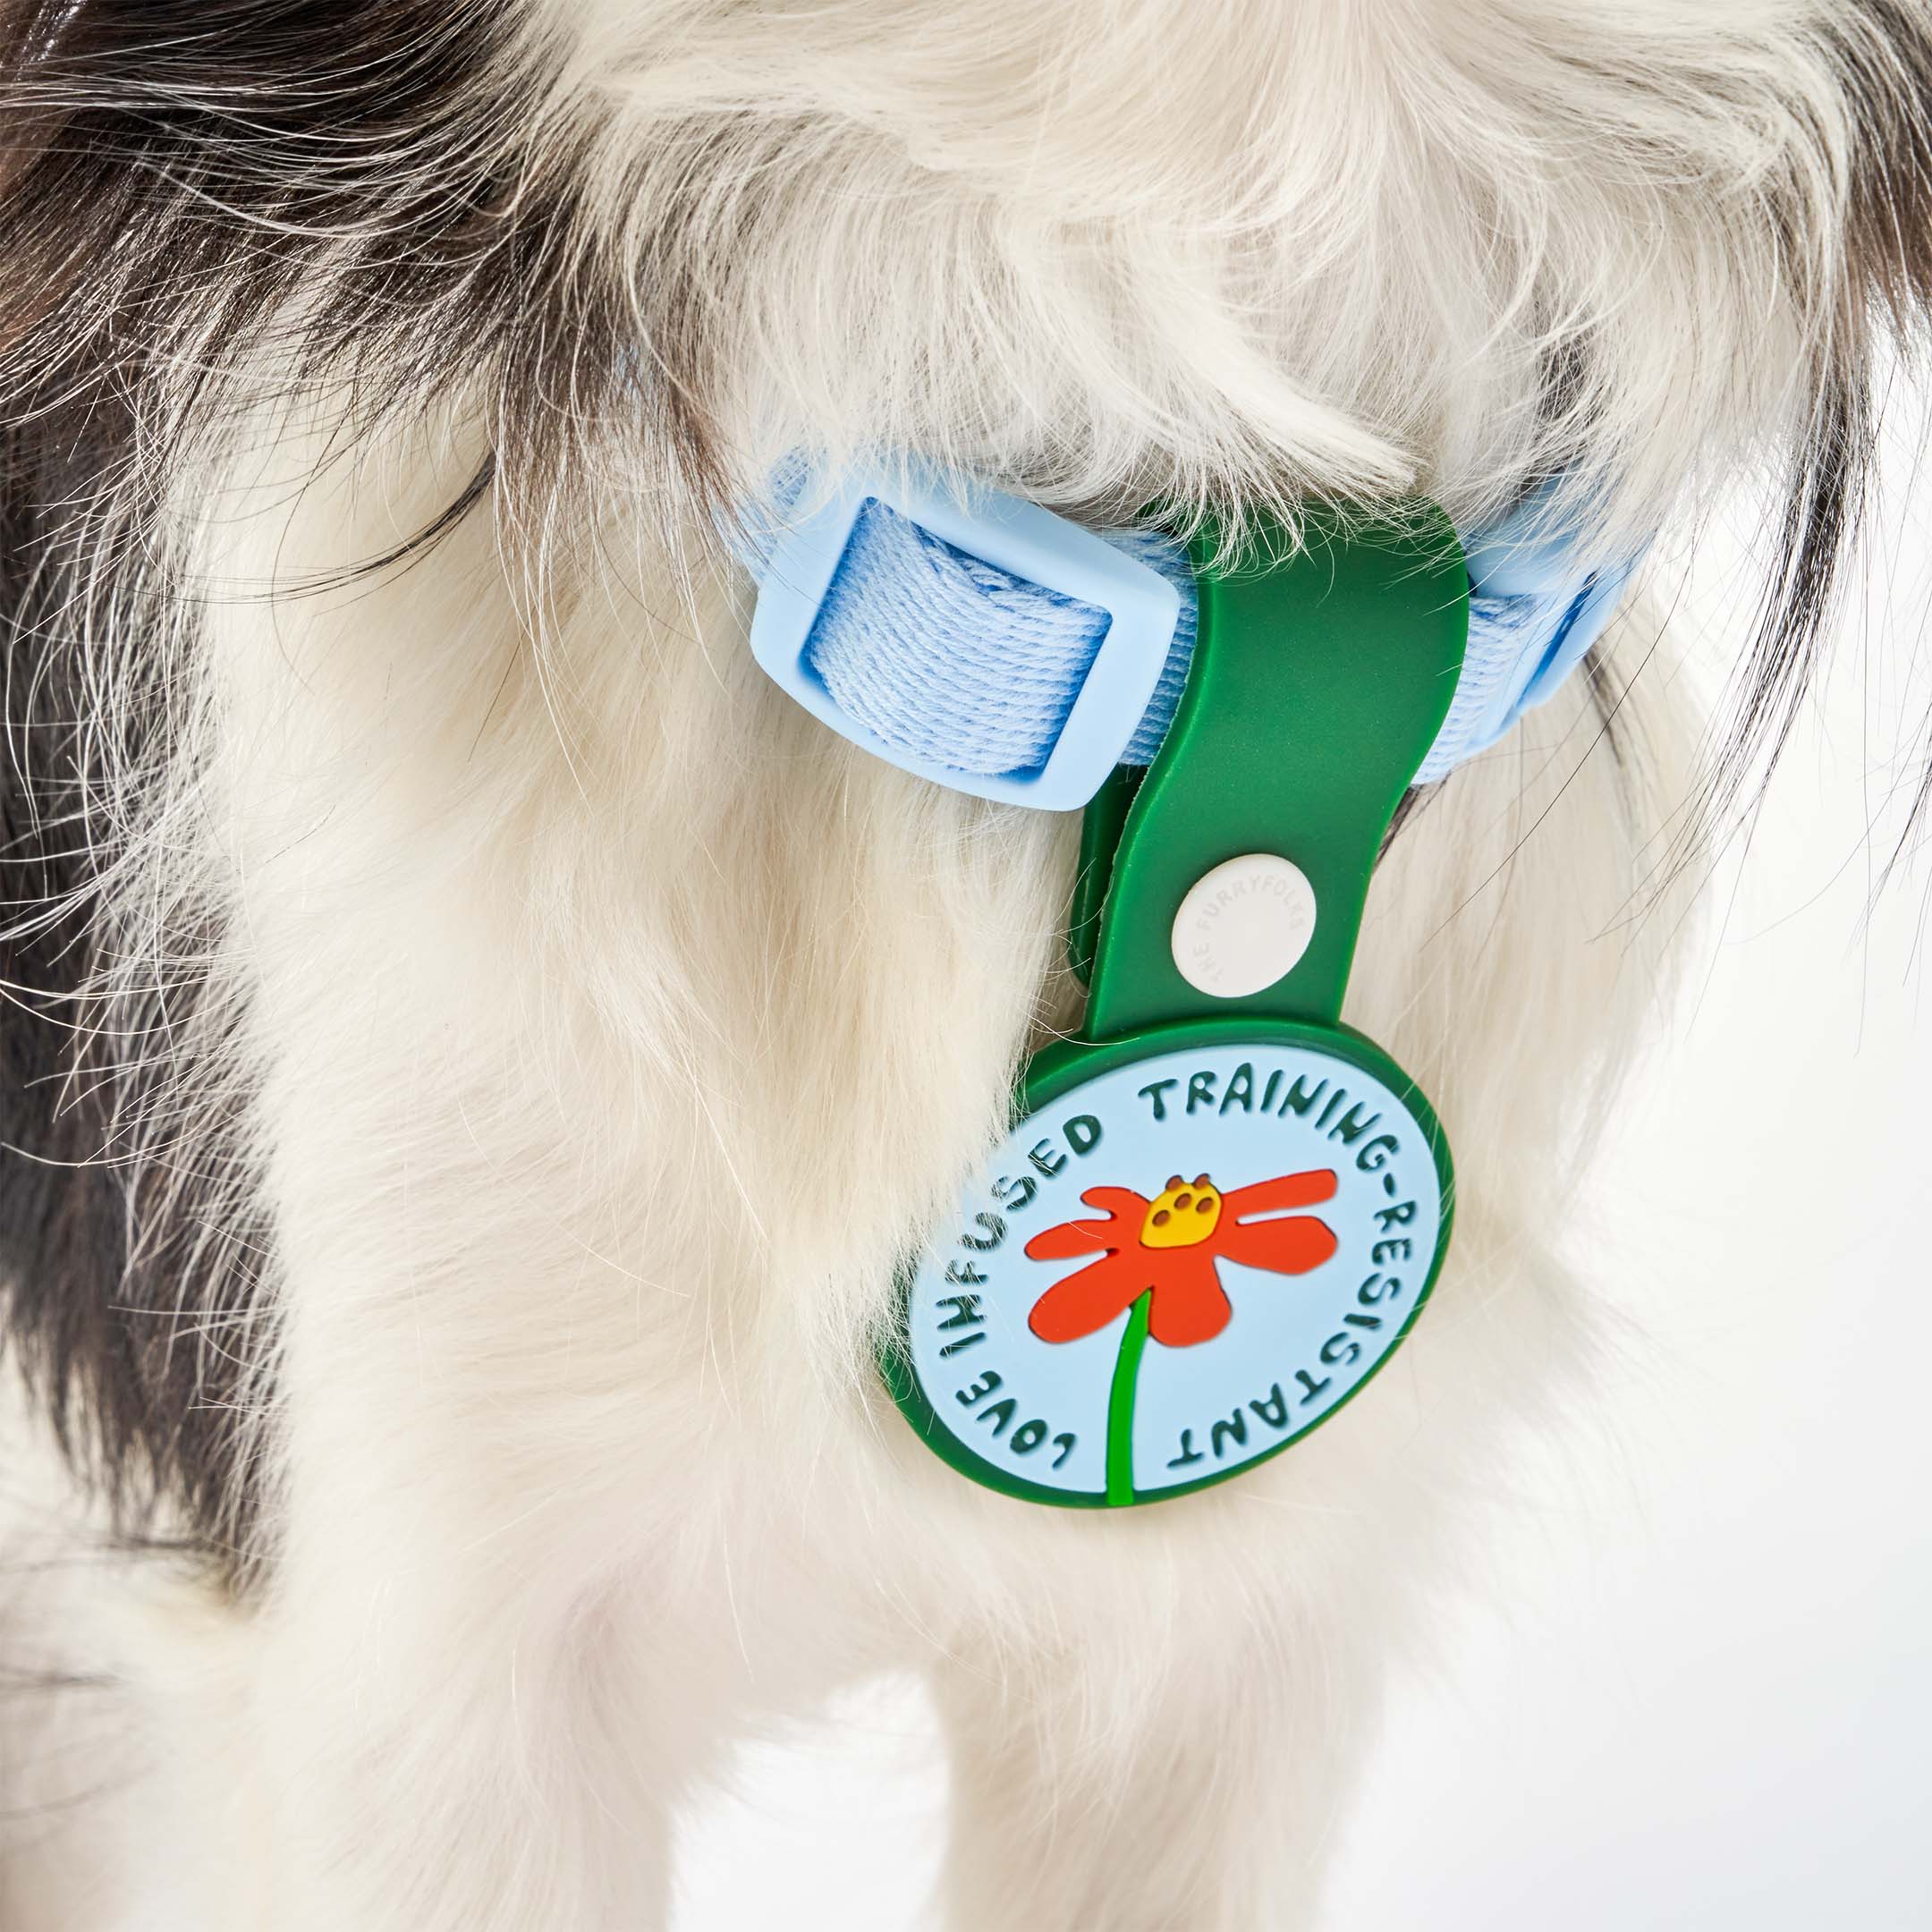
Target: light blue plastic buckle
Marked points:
1141	606
1506	561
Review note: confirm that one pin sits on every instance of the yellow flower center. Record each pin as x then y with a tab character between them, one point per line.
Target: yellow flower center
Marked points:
1182	1215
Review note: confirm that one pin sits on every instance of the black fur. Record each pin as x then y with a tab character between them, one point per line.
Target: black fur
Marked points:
128	1290
1880	294
172	173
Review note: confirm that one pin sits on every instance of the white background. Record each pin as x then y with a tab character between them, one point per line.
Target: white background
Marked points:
1703	1695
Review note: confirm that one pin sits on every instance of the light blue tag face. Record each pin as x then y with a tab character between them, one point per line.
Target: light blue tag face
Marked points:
1171	1270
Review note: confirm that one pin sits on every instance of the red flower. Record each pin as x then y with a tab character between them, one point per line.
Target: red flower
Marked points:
1170	1245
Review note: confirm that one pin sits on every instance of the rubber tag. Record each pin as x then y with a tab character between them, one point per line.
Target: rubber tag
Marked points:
1216	1214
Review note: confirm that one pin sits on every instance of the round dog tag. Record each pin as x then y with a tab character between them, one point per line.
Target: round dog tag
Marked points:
1176	1263
1221	1211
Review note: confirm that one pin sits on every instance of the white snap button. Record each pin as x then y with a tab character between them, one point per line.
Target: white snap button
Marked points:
1244	925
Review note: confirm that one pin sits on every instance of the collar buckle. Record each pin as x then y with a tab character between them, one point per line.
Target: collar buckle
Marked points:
1142	607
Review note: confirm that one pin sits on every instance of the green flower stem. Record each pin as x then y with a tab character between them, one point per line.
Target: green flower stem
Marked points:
1121	1403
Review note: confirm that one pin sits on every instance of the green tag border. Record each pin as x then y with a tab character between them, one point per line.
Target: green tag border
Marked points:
1056	1072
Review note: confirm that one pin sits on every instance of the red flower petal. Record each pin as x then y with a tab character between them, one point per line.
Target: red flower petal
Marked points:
1071	1238
1283	1192
1119	1228
1188	1305
1122	1204
1089	1298
1289	1247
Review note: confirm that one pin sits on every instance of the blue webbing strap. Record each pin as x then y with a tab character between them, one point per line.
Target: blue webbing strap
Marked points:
962	664
958	666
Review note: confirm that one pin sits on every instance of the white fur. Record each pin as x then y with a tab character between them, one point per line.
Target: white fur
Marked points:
1246	250
611	1027
614	1026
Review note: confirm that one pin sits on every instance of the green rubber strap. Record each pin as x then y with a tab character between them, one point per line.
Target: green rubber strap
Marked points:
1318	685
1101	825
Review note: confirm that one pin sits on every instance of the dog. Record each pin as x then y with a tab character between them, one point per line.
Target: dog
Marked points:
477	1055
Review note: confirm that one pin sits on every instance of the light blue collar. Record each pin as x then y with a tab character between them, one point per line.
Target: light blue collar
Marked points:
982	642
